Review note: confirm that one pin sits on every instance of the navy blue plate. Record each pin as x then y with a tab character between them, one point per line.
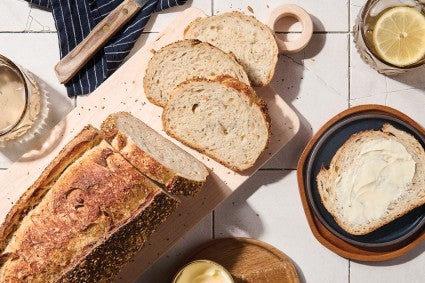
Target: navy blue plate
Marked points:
394	234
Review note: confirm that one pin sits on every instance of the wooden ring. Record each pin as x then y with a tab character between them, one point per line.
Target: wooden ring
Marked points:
294	11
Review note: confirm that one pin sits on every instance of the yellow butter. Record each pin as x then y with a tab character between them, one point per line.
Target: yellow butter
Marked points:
375	178
203	271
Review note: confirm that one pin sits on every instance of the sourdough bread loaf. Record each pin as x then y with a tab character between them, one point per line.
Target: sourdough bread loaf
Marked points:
153	155
222	118
252	42
374	178
182	60
87	214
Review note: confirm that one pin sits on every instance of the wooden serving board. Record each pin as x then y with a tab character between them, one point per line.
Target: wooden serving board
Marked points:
249	260
123	91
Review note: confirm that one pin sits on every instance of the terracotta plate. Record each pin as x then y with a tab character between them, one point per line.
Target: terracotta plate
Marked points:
392	240
394	234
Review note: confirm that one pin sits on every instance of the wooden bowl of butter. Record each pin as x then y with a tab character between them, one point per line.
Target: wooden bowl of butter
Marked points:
203	271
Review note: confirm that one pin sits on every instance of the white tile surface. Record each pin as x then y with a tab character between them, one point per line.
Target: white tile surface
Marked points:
405	92
327	15
314	89
18	15
37	52
161	19
408	268
268	207
324	79
355	7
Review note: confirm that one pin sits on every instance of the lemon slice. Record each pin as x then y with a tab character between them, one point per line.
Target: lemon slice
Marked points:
399	36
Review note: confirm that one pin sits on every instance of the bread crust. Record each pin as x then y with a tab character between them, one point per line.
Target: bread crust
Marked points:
255	22
86	139
106	259
83	183
145	163
147	85
399	207
241	88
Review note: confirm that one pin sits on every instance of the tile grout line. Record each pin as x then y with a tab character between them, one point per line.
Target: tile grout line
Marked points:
349	71
314	32
349	54
30	31
213	211
277	169
212	7
349	93
53	31
148	32
349	271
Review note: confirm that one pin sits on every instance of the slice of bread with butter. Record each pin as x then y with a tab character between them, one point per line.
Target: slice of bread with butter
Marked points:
374	178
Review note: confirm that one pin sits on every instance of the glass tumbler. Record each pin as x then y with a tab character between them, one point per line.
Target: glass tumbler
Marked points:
20	101
363	33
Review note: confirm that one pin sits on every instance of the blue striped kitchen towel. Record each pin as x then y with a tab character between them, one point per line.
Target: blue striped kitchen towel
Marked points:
75	19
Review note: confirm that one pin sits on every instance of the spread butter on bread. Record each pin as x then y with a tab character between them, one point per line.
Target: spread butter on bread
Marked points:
374	178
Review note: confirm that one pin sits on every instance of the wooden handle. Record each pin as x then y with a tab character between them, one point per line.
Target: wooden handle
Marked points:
292	10
69	65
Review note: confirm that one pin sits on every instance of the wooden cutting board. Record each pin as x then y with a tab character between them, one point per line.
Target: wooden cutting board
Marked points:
123	91
249	260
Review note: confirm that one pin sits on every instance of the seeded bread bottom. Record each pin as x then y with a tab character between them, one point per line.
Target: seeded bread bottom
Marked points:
87	214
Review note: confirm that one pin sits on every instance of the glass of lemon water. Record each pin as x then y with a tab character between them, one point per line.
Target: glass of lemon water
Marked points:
390	35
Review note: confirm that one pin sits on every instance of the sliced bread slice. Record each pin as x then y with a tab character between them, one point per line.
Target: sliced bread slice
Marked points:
252	42
222	118
182	60
153	155
374	178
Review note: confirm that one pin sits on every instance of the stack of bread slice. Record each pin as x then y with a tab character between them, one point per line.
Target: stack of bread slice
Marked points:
204	85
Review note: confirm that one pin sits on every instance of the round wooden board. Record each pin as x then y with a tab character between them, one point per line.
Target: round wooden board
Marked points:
249	260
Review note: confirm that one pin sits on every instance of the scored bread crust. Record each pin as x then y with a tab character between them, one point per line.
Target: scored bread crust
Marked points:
73	169
210	62
412	197
172	180
244	91
85	140
195	31
106	259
